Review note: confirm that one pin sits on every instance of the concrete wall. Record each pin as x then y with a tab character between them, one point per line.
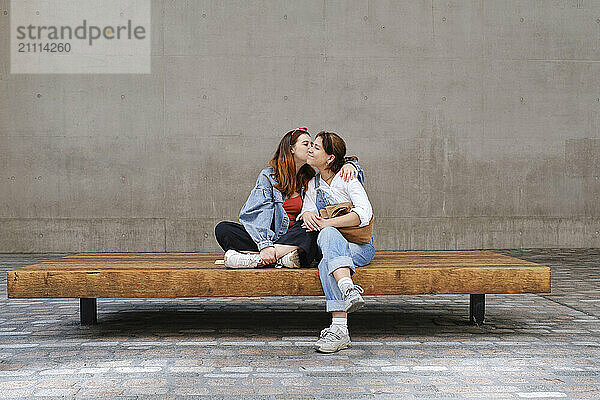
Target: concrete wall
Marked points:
478	123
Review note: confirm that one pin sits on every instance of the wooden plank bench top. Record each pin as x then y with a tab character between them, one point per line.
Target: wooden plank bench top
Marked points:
135	275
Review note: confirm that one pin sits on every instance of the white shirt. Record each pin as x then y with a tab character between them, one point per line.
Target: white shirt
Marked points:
341	191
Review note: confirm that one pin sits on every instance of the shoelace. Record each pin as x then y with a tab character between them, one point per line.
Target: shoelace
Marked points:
358	288
249	259
328	332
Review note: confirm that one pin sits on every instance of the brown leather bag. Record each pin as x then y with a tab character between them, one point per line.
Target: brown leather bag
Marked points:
354	234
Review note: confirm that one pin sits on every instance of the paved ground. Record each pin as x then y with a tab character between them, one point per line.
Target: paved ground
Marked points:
414	347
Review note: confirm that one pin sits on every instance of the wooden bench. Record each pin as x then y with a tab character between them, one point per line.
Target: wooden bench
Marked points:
89	276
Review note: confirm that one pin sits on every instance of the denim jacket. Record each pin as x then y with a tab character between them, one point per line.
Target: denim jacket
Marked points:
263	215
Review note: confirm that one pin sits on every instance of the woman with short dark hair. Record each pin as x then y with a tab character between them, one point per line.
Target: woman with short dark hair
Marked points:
340	256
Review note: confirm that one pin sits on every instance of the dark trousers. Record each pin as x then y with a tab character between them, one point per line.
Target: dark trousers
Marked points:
233	236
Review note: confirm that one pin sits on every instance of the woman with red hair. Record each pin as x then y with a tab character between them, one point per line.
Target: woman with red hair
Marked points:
268	232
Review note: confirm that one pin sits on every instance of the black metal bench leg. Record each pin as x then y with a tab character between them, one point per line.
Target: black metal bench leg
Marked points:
477	309
88	311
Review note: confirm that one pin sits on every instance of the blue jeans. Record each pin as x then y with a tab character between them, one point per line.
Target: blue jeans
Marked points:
338	252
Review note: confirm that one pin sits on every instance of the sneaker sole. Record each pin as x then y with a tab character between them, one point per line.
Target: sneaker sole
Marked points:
327	351
240	266
355	306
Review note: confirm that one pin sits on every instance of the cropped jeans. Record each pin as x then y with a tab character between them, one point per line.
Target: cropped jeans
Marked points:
338	252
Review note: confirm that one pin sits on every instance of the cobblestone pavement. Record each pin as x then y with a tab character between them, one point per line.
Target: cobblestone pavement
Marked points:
414	347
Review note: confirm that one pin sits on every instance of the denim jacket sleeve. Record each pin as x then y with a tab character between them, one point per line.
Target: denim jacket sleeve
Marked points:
361	172
257	213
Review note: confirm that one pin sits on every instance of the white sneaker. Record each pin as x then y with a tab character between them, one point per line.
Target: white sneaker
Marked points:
333	339
235	259
290	260
353	299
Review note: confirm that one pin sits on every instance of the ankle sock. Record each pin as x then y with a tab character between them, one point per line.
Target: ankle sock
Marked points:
344	284
340	323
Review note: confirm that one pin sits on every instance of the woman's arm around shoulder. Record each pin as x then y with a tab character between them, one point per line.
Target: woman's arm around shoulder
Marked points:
351	170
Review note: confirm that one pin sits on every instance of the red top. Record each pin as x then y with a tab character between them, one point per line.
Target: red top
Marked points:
292	207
